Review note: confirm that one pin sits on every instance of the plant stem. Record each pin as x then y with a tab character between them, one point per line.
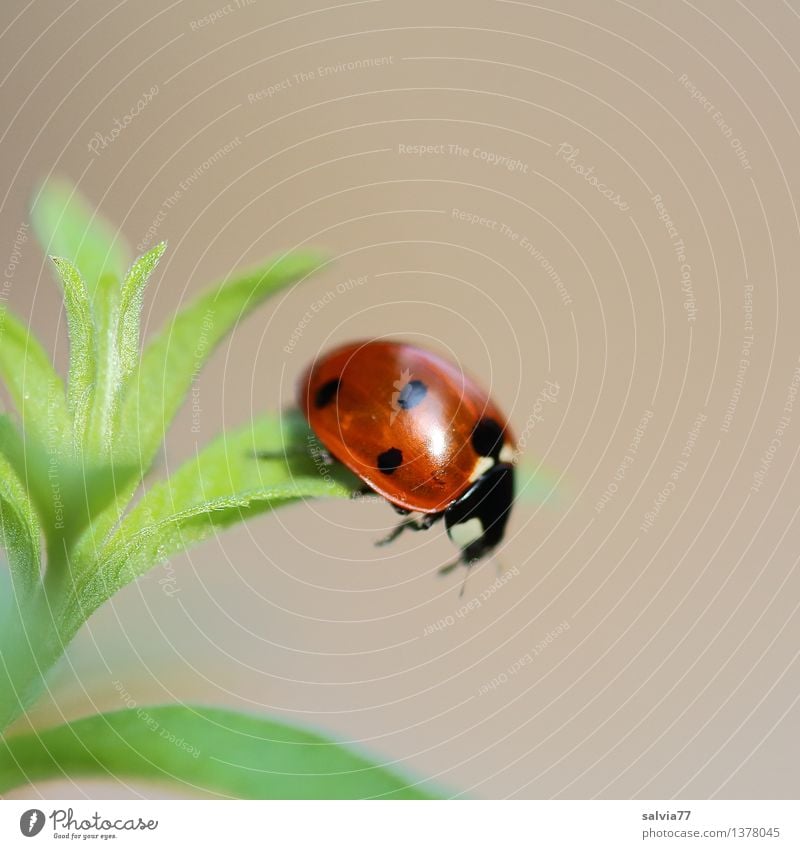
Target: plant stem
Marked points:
29	646
31	641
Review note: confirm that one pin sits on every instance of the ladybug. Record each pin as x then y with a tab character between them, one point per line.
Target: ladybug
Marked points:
418	432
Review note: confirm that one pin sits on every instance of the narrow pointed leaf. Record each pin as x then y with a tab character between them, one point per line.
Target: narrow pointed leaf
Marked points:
221	751
130	309
81	343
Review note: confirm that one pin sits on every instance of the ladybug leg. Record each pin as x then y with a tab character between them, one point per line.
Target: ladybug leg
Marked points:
448	567
278	455
411	524
463	560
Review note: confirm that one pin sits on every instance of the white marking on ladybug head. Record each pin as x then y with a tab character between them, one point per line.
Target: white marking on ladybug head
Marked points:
506	454
464	534
483	465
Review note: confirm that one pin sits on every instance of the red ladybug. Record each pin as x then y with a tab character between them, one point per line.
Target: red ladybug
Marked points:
419	433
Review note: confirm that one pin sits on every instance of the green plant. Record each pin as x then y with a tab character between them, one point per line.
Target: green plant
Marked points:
71	463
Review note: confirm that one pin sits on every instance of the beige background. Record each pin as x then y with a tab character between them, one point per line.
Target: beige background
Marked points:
678	674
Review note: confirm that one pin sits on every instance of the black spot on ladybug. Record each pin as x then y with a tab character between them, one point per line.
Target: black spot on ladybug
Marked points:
487	438
390	460
411	394
326	393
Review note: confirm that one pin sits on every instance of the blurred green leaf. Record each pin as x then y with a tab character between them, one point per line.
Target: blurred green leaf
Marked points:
538	485
67	226
200	748
172	358
34	385
19	530
66	490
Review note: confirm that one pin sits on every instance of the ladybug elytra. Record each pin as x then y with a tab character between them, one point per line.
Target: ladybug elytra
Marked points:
418	432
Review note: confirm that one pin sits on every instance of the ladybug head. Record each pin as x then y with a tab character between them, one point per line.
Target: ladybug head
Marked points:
477	520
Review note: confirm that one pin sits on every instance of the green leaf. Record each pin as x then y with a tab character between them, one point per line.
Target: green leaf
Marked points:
19	530
130	309
224	484
173	358
200	748
35	387
67	226
538	485
81	344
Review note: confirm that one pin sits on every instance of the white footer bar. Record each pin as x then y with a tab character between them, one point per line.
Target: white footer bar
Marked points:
404	825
